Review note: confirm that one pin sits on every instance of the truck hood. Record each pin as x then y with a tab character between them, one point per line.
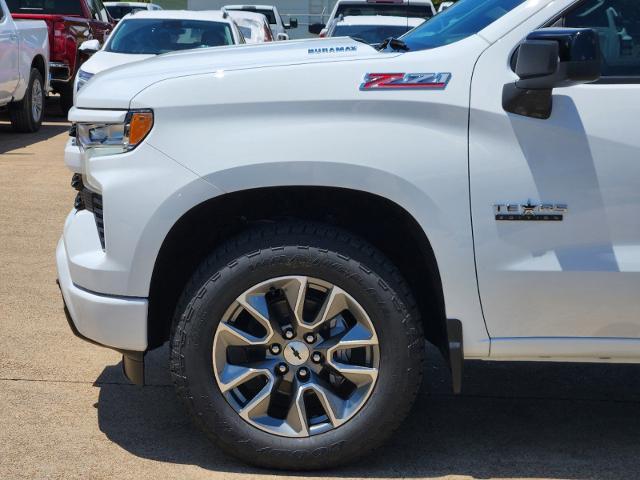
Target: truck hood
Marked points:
116	87
102	61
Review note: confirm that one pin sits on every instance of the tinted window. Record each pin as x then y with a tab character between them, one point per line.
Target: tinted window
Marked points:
271	18
66	7
155	36
102	11
246	31
93	9
465	18
372	34
617	23
119	12
416	11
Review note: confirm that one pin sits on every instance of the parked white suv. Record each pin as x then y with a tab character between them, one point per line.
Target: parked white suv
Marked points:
145	34
24	69
389	8
481	193
277	25
119	10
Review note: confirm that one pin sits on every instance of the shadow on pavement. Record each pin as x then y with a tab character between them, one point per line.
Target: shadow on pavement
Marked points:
54	123
513	420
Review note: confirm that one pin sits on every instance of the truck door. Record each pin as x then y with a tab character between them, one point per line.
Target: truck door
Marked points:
9	56
568	286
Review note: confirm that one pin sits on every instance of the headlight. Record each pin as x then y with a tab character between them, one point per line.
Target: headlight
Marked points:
114	138
83	77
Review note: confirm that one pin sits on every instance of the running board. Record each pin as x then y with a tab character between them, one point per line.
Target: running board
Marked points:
456	352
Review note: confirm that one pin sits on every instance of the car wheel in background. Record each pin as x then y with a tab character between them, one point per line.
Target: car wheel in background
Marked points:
26	115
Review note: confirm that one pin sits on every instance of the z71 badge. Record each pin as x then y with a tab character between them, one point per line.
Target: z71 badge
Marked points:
405	81
544	212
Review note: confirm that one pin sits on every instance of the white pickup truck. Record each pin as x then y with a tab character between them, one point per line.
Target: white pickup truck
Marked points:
478	188
24	64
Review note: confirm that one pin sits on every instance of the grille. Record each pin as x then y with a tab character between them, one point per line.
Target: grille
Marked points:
89	201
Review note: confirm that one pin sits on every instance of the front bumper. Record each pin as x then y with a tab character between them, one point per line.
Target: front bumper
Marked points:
112	321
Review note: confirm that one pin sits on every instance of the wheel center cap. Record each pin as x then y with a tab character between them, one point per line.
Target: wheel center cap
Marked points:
296	353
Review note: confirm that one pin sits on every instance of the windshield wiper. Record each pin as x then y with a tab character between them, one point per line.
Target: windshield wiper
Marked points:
395	44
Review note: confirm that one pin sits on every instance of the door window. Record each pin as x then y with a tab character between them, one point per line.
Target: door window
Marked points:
617	23
103	16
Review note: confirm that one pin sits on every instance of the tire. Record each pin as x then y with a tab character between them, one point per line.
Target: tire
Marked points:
312	251
26	115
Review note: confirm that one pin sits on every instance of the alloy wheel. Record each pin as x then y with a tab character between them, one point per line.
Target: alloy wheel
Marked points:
296	356
37	100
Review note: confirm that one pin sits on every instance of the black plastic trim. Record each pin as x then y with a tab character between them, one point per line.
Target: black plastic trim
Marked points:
456	352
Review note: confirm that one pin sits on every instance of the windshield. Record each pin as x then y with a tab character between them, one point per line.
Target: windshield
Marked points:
117	12
63	7
271	18
154	36
461	20
372	34
358	9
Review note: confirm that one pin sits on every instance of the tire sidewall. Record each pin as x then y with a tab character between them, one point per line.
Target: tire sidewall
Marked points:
387	312
35	77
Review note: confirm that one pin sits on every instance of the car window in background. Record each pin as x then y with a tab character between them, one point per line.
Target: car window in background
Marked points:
120	11
415	11
246	32
271	18
154	36
102	11
68	7
617	23
461	20
372	34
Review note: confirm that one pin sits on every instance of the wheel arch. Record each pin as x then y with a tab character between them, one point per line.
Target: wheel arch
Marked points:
39	64
383	222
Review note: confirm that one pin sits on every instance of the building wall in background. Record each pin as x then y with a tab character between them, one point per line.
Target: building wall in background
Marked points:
306	11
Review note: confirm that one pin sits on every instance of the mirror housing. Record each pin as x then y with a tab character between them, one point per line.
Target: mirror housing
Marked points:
293	23
282	36
550	58
89	47
316	28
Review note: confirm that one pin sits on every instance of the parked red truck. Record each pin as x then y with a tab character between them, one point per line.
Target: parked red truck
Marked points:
70	22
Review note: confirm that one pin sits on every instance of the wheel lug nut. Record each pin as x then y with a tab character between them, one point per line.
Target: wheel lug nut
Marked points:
282	368
310	338
303	374
275	349
288	334
316	357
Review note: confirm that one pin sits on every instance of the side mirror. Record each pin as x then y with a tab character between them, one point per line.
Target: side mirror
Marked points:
89	47
293	23
550	58
282	36
316	28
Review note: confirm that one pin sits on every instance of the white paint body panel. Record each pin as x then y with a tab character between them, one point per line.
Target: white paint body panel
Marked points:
20	43
574	279
215	111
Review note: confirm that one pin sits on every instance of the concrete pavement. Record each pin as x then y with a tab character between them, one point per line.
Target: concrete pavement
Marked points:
66	411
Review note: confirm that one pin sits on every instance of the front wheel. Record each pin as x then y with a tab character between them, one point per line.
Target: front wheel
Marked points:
26	115
294	343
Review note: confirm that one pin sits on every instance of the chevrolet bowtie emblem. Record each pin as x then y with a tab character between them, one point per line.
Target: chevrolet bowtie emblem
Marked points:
296	353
